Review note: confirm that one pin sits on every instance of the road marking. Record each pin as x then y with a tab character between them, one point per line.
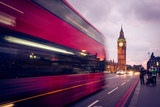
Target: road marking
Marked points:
93	103
128	80
123	83
112	90
126	95
110	77
129	94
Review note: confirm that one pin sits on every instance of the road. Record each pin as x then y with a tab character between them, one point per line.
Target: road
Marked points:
116	92
113	93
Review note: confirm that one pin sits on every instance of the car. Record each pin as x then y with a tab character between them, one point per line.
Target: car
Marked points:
130	72
137	73
120	72
126	72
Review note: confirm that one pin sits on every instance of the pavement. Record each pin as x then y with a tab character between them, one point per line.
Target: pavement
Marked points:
146	95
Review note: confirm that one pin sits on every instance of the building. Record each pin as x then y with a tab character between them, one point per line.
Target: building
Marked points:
129	68
121	46
134	67
153	62
137	67
111	66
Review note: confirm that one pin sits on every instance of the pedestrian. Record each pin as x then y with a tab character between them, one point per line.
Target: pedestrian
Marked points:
148	72
154	75
142	72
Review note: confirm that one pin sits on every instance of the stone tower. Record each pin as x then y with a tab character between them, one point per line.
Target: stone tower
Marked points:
121	46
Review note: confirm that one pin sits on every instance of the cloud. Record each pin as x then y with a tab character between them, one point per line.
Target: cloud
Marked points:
142	10
147	10
93	11
140	20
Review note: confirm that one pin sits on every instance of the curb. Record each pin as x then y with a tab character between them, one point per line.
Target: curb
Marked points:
134	99
125	101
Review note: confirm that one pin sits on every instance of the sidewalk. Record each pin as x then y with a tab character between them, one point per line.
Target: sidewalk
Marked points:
146	95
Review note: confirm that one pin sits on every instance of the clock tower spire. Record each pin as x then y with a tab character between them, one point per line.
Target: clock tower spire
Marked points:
121	46
121	36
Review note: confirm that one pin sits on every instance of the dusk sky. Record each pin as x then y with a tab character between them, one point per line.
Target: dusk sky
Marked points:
140	20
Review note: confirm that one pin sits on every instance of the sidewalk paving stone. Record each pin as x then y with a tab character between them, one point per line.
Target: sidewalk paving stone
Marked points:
146	95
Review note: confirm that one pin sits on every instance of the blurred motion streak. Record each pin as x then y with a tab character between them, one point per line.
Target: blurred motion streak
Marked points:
7	19
7	105
56	91
76	24
92	35
33	44
11	7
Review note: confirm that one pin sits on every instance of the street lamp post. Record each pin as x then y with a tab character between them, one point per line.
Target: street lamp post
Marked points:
158	67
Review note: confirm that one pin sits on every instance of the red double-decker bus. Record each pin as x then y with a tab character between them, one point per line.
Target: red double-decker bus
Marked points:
49	54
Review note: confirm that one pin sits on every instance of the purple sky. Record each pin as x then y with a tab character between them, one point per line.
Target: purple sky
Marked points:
140	20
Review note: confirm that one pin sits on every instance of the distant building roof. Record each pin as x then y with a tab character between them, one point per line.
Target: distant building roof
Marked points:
153	62
153	57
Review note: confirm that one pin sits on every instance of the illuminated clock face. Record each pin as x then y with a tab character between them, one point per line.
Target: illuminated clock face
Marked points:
120	44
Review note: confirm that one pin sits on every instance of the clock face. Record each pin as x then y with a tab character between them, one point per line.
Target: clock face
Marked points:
120	44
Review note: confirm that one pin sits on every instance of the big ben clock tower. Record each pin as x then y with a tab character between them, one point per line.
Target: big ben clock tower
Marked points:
121	46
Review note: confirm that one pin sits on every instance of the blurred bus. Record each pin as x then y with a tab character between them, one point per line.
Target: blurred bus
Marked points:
49	54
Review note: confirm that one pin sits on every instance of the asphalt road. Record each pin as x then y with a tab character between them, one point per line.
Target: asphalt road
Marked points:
114	90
